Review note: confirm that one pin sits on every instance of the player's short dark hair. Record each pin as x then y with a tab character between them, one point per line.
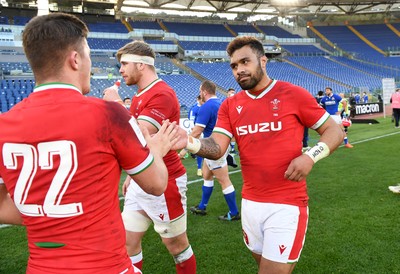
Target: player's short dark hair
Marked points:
46	39
320	93
329	88
239	42
127	98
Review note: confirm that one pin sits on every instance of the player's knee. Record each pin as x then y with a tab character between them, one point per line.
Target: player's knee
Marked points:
171	229
135	222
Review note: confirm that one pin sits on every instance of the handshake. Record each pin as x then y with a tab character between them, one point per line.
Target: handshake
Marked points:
169	137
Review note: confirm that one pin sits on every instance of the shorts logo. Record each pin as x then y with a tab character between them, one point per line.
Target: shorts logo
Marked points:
282	248
161	217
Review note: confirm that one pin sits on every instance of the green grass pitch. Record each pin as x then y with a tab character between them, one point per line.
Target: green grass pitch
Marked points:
353	225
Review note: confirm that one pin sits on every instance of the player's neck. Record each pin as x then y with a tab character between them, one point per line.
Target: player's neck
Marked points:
262	85
146	81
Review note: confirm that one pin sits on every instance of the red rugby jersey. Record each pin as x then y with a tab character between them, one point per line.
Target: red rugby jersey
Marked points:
61	161
268	129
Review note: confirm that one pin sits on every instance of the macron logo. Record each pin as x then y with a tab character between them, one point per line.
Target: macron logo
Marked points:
282	248
161	216
239	109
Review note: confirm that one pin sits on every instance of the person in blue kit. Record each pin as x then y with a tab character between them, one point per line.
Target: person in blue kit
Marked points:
319	97
357	98
331	104
192	116
365	98
205	123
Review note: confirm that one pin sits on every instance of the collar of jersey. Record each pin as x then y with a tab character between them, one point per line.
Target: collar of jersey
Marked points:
55	85
266	90
140	92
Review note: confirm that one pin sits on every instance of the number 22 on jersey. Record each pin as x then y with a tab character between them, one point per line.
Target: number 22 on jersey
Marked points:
42	157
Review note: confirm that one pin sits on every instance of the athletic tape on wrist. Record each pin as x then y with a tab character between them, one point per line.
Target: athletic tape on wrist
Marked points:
318	152
193	145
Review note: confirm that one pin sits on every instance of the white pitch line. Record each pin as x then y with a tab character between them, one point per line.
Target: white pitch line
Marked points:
375	138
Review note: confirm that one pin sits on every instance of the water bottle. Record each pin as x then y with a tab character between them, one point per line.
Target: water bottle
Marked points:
116	85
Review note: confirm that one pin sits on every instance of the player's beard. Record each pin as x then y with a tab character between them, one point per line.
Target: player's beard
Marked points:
253	81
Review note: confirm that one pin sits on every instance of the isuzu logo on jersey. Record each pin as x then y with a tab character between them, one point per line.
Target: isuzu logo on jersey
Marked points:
260	127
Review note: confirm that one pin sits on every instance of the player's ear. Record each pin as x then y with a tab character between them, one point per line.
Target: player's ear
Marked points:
73	60
140	66
264	61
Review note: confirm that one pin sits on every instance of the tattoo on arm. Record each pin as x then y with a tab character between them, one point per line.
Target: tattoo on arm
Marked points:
209	149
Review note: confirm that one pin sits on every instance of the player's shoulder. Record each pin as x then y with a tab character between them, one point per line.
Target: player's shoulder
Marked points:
162	87
283	86
291	90
104	109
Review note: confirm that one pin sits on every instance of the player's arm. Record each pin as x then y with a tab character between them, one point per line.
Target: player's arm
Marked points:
153	179
111	94
213	147
152	129
9	214
196	133
331	136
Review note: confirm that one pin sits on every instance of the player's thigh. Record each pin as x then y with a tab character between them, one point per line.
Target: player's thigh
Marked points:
166	207
168	211
216	164
221	174
207	174
275	231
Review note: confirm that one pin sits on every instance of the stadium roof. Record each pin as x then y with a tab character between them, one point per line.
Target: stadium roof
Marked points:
244	7
271	7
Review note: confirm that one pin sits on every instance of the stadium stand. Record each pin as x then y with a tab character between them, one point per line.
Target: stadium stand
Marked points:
277	32
115	27
299	50
152	25
197	29
343	37
200	47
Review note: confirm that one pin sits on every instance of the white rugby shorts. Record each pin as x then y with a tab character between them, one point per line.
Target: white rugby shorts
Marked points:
167	212
215	164
275	231
337	119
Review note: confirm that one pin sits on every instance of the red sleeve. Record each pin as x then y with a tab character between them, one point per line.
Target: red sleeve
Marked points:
127	141
309	111
159	108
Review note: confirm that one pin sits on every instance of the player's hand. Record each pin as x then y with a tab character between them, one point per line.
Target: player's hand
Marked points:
126	185
299	168
182	141
161	142
111	94
182	153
